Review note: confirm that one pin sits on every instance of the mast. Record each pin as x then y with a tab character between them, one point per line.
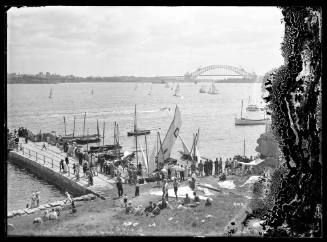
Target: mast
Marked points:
241	108
146	151
98	129
244	149
103	133
65	124
84	124
117	142
161	149
249	100
135	134
74	128
87	141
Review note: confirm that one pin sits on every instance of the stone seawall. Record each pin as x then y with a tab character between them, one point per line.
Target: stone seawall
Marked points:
49	175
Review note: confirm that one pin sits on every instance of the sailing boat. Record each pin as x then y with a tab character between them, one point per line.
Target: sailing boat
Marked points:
162	151
177	91
150	91
89	138
246	121
50	95
136	131
192	154
203	89
212	89
92	91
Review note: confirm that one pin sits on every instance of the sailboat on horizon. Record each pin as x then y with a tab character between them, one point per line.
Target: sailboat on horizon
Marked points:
212	89
177	92
50	95
137	131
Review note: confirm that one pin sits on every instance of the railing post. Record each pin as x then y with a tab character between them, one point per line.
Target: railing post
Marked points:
52	162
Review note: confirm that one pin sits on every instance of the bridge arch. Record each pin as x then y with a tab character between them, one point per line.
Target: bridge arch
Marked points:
239	71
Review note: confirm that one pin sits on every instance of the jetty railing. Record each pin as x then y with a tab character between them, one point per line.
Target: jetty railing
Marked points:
39	158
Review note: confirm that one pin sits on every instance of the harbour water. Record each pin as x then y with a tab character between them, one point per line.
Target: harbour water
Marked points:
28	105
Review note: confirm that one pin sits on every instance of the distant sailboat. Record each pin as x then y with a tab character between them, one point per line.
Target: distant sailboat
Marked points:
50	95
212	89
135	87
137	131
177	91
92	91
150	91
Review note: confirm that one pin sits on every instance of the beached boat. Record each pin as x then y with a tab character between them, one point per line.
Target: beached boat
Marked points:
212	89
247	121
203	89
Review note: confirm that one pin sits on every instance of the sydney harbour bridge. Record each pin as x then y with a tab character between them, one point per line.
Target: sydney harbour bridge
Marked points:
208	73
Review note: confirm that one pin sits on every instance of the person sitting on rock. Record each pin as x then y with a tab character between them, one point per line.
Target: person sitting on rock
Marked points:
156	209
196	198
163	203
186	200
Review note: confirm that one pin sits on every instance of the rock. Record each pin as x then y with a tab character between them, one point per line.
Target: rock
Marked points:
10	215
42	207
10	227
78	198
47	205
37	220
135	224
20	212
28	211
61	203
170	218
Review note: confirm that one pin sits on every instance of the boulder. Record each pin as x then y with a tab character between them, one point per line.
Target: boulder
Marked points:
42	207
28	211
61	203
20	212
47	205
10	215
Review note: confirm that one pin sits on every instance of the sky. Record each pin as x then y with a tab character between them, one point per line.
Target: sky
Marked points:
142	41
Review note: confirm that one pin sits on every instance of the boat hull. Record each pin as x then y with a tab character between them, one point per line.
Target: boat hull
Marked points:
82	141
244	121
138	133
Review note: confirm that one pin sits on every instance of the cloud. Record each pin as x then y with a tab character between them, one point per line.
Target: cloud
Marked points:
141	40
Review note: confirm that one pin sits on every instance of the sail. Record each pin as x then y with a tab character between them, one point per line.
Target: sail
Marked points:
177	90
214	89
197	153
144	160
172	134
50	95
155	155
185	148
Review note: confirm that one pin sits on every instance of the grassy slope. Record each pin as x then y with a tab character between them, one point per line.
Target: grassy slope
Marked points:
105	217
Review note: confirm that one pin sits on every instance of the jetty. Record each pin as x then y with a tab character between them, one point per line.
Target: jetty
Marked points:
45	163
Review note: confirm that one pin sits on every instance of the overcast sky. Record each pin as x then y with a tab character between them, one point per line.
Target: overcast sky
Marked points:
142	41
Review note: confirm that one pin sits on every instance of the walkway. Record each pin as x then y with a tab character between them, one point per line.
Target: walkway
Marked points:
51	157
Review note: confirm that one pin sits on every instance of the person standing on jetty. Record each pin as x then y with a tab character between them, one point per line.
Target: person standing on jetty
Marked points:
44	146
137	189
67	164
37	198
200	166
182	173
61	165
77	172
119	187
175	184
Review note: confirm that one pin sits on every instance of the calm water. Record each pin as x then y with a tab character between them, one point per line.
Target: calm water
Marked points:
21	185
29	106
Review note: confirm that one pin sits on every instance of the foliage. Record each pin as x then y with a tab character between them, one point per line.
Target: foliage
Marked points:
294	92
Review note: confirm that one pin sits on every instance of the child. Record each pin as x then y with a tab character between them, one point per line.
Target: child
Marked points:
125	200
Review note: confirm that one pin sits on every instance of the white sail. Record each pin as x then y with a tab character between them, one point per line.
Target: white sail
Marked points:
212	89
185	148
144	160
172	134
50	95
177	90
197	153
155	156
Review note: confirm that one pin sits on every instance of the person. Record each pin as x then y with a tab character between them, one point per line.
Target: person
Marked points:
33	202
163	203
163	188
220	165
77	172
129	208
216	166
137	189
74	168
192	183
156	209
120	187
90	178
169	171
149	208
186	200
166	189
44	147
193	168
196	198
26	139
125	200
175	184
84	168
48	140
200	166
61	165
182	173
208	202
68	198
67	163
210	167
37	198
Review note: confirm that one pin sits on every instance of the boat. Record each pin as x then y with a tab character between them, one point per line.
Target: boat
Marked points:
87	139
137	131
177	91
203	89
162	150
50	95
247	121
212	89
150	91
252	107
92	91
